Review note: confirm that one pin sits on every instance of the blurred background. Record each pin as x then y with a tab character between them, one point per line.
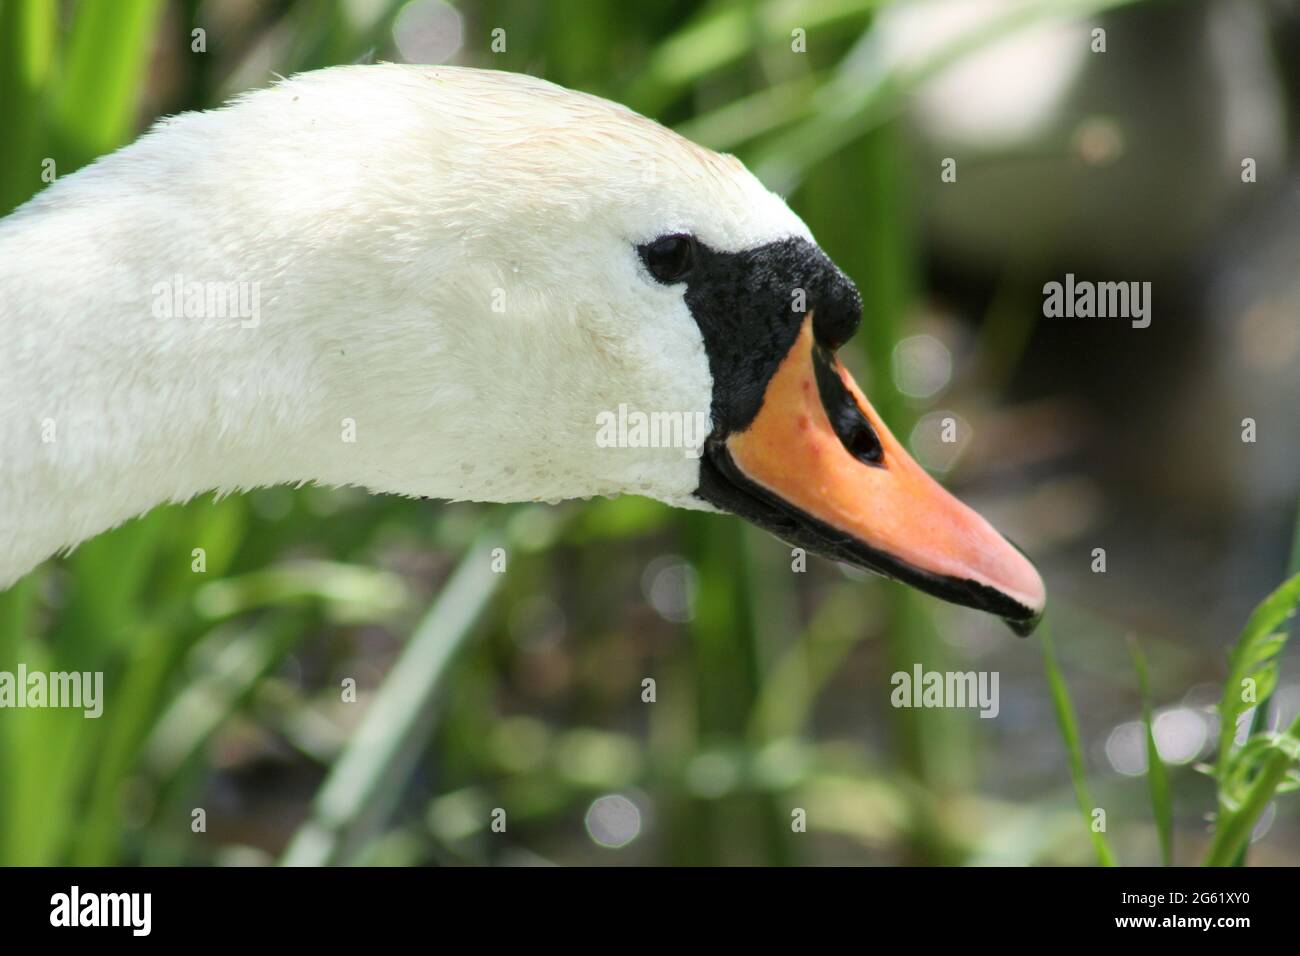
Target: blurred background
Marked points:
231	731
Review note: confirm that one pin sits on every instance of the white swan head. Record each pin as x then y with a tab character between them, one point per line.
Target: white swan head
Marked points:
513	291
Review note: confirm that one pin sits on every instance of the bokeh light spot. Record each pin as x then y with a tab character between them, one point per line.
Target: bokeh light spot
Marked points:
1181	734
929	442
428	31
613	821
670	585
922	366
1126	749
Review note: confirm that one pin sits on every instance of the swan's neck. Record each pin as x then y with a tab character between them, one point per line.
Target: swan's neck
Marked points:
112	402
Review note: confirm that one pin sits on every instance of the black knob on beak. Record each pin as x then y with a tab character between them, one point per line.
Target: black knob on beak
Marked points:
836	306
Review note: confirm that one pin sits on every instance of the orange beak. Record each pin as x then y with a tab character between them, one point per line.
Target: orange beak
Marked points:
820	469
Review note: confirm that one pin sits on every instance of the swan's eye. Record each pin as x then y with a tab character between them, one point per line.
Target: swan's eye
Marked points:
669	258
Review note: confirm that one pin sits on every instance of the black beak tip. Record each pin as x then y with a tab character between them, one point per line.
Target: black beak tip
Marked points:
1024	626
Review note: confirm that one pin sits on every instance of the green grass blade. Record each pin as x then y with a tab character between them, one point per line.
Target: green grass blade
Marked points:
1260	713
1157	775
108	53
1234	827
1248	777
723	35
1252	659
17	607
28	31
369	775
1069	727
230	662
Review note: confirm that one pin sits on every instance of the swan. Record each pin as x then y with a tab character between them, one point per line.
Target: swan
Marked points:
437	281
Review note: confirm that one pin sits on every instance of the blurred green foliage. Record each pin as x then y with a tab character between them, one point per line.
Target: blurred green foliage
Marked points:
520	690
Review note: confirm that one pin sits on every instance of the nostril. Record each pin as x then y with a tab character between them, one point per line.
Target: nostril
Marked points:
847	420
861	442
